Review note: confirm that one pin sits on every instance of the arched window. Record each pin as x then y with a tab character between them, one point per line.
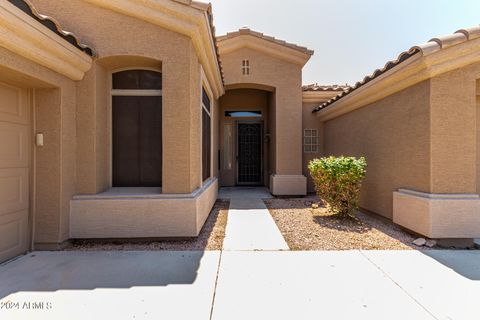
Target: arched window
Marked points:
137	128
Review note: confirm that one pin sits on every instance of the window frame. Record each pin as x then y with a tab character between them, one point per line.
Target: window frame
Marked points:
127	92
312	145
207	156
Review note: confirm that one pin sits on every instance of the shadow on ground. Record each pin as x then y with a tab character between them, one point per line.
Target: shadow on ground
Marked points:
464	262
52	271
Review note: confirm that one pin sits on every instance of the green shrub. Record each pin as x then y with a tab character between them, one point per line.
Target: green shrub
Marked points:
337	181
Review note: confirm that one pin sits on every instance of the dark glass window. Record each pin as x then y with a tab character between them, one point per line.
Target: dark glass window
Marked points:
243	114
137	79
205	99
206	145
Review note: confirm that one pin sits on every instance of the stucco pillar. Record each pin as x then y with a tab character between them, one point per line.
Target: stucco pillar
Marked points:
55	164
181	124
453	133
288	178
92	132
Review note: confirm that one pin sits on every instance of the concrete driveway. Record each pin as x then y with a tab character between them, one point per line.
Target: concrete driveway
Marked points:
242	285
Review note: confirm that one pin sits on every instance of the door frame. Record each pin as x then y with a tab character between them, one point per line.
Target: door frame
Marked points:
237	162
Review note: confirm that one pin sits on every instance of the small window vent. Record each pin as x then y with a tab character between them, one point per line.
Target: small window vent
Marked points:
245	67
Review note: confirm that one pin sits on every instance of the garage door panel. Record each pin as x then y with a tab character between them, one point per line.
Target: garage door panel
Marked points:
14	105
14	145
13	190
13	228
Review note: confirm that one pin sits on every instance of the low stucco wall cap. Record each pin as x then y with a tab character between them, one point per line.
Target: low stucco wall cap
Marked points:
53	25
432	46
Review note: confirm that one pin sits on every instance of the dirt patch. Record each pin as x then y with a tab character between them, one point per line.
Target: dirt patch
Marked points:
210	238
305	228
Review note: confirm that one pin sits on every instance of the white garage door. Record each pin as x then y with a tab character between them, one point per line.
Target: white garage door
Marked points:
15	153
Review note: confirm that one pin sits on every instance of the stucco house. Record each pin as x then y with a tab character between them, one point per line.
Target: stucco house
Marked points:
127	125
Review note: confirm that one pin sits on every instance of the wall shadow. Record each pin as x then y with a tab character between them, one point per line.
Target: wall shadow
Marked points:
464	262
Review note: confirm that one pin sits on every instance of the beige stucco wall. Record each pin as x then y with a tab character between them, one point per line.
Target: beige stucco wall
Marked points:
453	131
97	216
119	36
53	171
393	134
75	116
478	136
286	79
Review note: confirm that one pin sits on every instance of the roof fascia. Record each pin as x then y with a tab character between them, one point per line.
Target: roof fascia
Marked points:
418	68
279	51
28	38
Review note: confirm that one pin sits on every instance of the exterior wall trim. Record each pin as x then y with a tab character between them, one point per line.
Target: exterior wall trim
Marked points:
189	21
28	38
412	71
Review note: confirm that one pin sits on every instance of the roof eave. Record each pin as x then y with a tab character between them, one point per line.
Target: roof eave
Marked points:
418	68
277	50
27	37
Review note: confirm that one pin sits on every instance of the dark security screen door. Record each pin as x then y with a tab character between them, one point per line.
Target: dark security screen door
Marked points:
137	141
249	154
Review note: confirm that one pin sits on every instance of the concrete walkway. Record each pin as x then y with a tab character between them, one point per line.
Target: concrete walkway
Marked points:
242	285
250	227
255	277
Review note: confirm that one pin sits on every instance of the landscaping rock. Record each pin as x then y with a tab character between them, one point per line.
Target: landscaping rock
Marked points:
431	243
420	242
314	205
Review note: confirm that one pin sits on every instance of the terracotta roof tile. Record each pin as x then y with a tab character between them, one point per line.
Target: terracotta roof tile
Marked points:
247	31
53	25
425	49
317	87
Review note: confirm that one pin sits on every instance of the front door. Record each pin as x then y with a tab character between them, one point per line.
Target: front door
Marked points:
137	141
249	153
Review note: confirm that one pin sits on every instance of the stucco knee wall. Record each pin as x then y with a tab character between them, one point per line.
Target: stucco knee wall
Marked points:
438	215
288	185
156	216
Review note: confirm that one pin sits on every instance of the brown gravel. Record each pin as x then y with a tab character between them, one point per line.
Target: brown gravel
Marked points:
305	228
210	238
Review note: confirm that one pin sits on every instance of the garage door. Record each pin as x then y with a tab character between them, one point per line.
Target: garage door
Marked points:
14	170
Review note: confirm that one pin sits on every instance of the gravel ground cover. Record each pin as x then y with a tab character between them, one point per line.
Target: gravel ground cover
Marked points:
308	228
210	238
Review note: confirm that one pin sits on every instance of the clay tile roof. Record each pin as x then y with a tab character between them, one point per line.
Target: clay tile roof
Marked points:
247	31
425	49
317	87
53	25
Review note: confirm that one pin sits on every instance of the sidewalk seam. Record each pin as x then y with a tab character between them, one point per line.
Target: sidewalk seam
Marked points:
397	284
216	282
